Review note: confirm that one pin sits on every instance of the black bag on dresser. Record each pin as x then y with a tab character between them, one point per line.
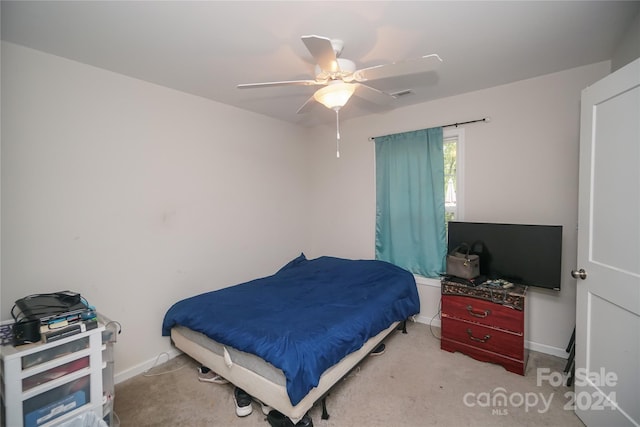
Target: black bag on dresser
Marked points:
479	248
461	263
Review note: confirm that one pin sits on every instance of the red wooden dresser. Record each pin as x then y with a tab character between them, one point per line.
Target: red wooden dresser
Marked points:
486	323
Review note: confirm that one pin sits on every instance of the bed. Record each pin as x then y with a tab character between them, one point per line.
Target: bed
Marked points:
286	339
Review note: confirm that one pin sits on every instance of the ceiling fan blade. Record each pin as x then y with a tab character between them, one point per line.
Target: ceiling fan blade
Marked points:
373	95
322	51
413	66
282	83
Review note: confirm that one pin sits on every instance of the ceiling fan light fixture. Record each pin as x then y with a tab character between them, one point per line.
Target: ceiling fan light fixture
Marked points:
335	95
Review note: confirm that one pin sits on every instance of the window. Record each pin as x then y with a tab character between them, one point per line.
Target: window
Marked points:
453	140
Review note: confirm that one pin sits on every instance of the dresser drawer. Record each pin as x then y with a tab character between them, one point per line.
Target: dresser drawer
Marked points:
489	339
483	312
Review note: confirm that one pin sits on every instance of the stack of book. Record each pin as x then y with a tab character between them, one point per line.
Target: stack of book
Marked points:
63	328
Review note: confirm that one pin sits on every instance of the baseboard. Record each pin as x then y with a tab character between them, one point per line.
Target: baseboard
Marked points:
547	349
145	366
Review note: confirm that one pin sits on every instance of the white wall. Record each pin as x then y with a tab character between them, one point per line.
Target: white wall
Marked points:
522	167
136	195
628	48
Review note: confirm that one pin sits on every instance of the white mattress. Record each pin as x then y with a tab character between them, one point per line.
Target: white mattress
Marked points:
261	379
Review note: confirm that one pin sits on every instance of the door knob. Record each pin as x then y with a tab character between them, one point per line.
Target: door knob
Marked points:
579	274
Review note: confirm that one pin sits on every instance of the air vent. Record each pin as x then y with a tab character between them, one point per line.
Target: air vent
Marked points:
401	93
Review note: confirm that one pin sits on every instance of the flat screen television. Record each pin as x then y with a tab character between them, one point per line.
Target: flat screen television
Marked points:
520	253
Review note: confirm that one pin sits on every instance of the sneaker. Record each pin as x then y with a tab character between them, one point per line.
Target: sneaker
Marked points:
243	402
207	375
305	421
378	350
265	408
278	419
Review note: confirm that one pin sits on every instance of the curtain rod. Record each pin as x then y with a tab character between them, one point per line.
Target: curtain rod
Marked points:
484	119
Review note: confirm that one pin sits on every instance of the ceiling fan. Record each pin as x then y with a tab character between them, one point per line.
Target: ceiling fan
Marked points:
341	79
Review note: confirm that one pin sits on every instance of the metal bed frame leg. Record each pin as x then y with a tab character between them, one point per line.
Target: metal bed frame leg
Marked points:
325	414
403	327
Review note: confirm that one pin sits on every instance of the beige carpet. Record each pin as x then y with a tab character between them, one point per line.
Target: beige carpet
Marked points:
413	383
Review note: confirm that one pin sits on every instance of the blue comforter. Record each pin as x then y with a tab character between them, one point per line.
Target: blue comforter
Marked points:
306	317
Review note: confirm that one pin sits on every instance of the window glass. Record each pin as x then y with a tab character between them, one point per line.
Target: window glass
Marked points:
450	178
453	144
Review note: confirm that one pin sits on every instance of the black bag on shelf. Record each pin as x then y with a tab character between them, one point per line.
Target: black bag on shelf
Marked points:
479	248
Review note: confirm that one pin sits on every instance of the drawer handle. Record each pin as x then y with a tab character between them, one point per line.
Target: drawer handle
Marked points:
472	338
476	314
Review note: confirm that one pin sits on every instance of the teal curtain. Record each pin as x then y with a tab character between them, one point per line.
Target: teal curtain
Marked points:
410	212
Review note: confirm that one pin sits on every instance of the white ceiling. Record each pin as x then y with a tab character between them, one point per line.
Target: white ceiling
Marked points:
208	47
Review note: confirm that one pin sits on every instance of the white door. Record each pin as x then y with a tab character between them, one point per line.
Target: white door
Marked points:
607	360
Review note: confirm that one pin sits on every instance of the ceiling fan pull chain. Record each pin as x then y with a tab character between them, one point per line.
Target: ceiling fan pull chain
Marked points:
337	133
